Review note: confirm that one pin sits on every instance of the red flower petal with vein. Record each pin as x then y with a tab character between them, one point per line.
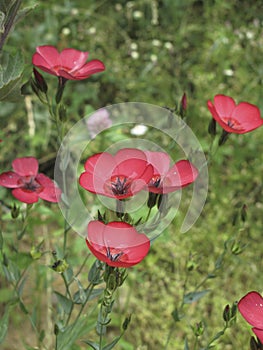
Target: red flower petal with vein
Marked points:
69	63
117	176
28	186
166	179
118	244
251	308
239	119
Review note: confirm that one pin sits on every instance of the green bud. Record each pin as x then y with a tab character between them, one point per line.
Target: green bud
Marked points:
56	329
234	309
199	329
111	282
227	313
35	253
40	81
152	199
60	266
212	127
126	322
15	211
244	213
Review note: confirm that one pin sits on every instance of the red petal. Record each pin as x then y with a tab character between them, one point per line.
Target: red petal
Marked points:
72	59
224	105
46	57
27	166
25	196
50	192
129	153
183	173
251	308
9	179
93	184
90	68
160	162
259	334
248	116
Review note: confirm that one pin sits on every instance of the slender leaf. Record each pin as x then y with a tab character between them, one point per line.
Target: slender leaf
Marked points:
94	294
4	325
186	346
64	302
93	345
113	343
194	296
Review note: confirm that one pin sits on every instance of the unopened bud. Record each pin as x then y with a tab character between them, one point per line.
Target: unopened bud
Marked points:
60	266
15	211
244	213
126	322
152	199
227	313
183	105
199	329
35	253
234	310
212	127
40	81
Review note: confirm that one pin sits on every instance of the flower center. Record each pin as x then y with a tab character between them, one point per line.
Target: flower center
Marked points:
119	185
113	256
30	184
155	181
232	123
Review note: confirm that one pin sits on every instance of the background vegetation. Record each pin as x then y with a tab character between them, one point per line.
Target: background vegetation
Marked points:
154	51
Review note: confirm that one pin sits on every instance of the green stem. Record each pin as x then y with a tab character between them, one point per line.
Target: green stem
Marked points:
10	22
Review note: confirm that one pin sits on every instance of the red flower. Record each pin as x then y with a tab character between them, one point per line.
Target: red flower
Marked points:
233	118
28	186
69	63
117	243
166	179
119	176
251	308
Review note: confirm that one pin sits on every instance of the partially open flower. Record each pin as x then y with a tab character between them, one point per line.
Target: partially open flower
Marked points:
117	176
169	179
239	119
118	244
28	185
69	63
251	308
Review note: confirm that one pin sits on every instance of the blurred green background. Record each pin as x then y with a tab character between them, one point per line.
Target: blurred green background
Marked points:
154	51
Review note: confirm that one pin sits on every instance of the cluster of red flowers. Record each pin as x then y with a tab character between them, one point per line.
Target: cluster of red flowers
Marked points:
121	176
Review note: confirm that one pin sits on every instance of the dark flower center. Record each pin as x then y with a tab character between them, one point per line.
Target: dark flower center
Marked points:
232	123
30	184
113	257
155	181
120	185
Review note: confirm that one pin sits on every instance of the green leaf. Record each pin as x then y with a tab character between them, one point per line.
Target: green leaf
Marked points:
67	337
24	12
64	302
10	74
194	296
94	294
93	345
112	344
4	325
1	241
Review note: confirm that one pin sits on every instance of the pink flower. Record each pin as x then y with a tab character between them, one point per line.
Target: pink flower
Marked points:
98	121
69	63
117	243
233	118
28	185
251	308
168	179
118	176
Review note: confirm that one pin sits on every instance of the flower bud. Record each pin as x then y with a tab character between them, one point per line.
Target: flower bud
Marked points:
152	199
40	81
183	105
126	322
15	211
35	253
244	213
199	329
60	266
227	313
223	138
212	127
